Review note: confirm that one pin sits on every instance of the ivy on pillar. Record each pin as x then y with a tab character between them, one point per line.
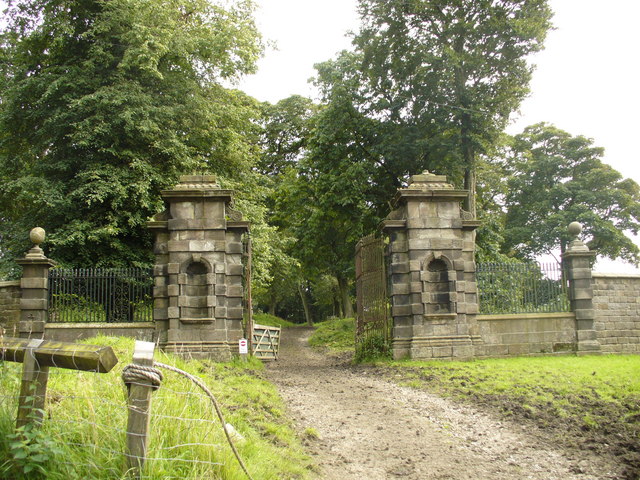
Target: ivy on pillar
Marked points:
577	262
35	288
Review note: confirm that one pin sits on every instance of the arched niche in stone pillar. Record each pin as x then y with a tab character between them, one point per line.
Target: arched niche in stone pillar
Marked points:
197	286
438	285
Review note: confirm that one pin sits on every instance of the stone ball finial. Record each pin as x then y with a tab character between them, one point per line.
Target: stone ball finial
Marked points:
575	229
37	235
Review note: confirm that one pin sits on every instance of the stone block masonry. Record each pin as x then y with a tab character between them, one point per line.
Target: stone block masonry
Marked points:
10	307
616	300
198	276
434	294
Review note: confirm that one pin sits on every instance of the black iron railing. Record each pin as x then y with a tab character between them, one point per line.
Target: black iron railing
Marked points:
521	288
373	323
100	295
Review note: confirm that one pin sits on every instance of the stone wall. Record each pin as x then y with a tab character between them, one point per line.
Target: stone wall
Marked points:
616	300
526	334
77	332
10	306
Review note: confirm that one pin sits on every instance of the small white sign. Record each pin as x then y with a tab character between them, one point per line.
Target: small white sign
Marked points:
243	346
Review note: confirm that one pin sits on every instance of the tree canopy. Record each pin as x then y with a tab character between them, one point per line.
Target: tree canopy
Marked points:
449	73
106	103
555	178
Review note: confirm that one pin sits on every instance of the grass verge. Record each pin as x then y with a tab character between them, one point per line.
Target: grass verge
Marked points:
336	334
83	435
585	402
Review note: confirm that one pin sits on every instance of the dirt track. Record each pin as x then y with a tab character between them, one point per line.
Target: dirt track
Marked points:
370	428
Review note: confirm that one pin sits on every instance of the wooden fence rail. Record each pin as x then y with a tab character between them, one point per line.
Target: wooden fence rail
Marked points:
37	356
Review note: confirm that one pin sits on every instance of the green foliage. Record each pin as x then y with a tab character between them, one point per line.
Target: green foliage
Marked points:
444	76
285	134
272	320
373	346
103	105
583	389
335	333
85	412
555	179
30	452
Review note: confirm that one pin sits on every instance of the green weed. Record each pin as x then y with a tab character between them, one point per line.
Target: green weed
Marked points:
86	417
336	334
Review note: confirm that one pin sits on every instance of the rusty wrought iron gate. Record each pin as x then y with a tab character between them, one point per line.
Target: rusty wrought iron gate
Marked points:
373	325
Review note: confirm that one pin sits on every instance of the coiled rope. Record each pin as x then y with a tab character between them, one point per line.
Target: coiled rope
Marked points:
137	373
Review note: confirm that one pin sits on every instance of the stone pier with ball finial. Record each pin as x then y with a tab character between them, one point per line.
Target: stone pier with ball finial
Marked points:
578	260
35	288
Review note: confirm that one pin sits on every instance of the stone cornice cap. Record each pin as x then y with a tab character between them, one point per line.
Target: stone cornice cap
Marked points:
194	186
428	185
429	181
188	182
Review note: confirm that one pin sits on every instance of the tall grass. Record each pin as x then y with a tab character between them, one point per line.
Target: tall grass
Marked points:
337	334
86	416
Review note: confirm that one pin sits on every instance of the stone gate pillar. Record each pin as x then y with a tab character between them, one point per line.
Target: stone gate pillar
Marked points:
198	276
577	263
433	291
34	284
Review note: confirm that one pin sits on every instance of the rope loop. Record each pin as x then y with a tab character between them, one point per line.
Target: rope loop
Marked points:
142	375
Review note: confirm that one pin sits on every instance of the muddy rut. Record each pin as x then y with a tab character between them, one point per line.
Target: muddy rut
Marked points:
371	428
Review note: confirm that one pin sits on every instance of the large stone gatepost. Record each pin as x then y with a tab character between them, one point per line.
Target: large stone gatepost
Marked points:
578	261
34	302
433	293
198	290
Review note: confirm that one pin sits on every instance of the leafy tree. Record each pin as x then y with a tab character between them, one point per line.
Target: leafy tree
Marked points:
104	104
285	133
429	85
556	178
284	137
449	71
332	197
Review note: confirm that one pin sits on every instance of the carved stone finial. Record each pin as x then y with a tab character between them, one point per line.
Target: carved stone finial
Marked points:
429	181
37	236
200	182
575	229
576	245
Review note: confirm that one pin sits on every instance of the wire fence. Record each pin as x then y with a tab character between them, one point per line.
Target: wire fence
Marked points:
83	434
506	288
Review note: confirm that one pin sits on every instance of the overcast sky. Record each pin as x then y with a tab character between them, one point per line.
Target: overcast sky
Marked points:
586	80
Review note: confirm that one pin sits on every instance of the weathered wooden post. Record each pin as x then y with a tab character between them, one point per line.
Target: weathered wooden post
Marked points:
33	389
37	356
140	386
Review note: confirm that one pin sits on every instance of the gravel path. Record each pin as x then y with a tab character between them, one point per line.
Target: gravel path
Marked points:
370	428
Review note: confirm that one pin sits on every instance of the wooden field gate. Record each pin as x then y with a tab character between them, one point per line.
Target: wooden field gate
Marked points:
265	342
373	322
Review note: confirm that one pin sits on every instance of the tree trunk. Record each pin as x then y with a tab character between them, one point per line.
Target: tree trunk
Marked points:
347	307
305	304
470	182
272	305
466	131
